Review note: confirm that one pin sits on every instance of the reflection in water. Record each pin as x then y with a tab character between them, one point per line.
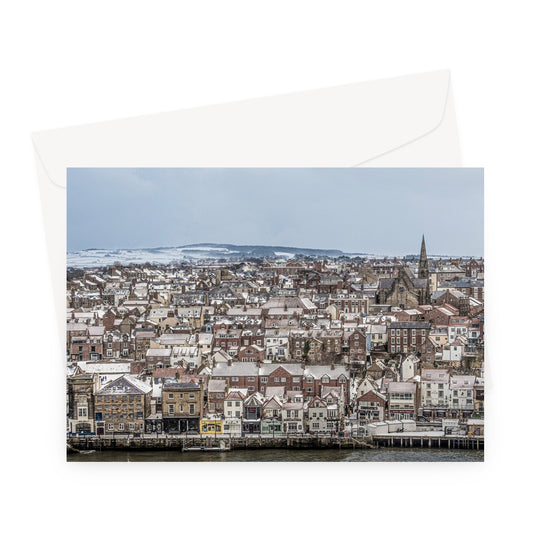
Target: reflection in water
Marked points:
388	455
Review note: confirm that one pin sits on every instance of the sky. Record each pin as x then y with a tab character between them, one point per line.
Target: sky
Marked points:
373	210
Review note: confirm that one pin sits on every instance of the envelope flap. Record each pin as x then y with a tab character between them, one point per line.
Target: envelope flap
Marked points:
339	126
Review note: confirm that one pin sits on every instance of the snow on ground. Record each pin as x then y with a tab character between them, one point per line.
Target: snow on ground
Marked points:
284	254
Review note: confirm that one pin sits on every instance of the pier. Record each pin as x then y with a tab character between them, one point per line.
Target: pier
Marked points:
451	442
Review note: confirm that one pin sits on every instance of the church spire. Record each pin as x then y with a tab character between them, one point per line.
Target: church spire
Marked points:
423	267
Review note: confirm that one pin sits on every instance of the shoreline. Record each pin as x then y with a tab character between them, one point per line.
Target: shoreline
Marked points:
223	444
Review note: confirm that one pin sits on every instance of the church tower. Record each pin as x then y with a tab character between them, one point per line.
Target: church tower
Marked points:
423	267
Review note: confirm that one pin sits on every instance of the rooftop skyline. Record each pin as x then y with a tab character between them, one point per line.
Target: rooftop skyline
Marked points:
381	211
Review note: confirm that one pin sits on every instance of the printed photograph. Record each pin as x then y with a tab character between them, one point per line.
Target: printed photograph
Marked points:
275	314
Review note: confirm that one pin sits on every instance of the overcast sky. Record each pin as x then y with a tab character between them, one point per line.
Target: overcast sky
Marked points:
382	211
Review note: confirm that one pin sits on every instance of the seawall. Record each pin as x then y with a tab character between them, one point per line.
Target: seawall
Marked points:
223	443
76	444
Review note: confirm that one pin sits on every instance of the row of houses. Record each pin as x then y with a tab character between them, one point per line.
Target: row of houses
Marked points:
245	398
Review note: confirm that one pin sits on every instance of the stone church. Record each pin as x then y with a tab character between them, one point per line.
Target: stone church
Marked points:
405	290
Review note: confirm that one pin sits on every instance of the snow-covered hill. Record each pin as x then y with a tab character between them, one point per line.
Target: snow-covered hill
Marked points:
165	255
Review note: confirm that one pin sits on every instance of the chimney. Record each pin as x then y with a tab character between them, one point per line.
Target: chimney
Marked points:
332	366
259	364
229	362
303	365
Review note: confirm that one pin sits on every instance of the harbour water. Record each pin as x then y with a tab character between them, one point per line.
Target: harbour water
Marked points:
270	455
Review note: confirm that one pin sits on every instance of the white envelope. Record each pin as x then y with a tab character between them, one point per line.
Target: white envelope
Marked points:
400	122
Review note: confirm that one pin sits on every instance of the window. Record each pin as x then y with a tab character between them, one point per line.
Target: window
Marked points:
170	396
191	409
121	427
110	427
170	409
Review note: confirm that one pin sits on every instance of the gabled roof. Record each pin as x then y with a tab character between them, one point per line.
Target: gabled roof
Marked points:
312	403
273	402
125	385
255	400
370	394
234	394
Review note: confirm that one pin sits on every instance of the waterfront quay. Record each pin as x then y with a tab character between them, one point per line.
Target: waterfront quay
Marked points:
213	443
225	444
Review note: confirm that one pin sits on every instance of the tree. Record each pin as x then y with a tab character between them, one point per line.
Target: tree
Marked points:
306	349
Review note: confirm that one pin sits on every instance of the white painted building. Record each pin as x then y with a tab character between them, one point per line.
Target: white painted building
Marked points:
462	393
434	392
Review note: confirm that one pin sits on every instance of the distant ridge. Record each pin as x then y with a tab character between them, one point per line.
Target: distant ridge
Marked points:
172	254
94	257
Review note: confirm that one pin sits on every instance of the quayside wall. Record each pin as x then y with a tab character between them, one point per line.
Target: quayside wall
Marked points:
76	444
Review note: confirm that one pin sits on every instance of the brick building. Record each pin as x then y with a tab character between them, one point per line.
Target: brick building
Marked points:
122	405
182	407
407	337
